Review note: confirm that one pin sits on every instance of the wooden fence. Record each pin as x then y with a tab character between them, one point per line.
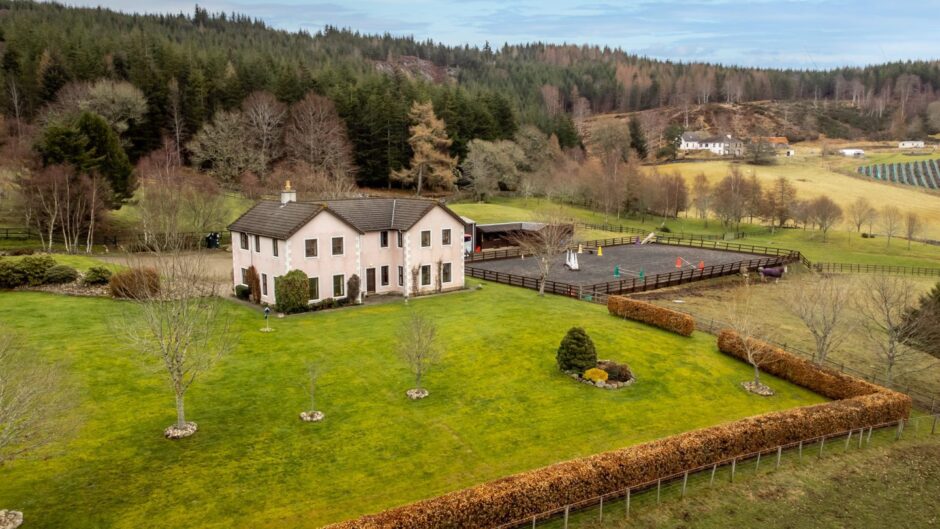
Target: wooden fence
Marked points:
851	268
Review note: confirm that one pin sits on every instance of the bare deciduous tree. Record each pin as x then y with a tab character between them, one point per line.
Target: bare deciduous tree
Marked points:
825	213
743	320
890	221
181	326
545	245
611	143
912	227
862	212
885	306
822	303
221	147
316	135
418	345
264	119
701	196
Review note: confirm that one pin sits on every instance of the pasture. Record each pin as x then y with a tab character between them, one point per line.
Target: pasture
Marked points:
498	405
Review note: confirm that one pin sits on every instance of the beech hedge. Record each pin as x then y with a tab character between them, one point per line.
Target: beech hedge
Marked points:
521	496
668	320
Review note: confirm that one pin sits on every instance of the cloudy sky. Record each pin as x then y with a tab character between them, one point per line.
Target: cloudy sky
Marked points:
774	33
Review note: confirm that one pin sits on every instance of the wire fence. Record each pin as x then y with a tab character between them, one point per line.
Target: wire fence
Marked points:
622	503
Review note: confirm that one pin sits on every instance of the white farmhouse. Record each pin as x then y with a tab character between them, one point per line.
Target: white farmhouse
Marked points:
720	145
395	245
911	145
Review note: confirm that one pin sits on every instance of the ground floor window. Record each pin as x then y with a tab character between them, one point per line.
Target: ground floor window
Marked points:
244	276
425	275
264	284
313	286
401	276
385	276
446	273
339	286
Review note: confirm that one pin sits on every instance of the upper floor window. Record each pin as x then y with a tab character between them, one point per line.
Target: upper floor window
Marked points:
257	243
445	236
337	246
243	238
383	239
425	238
310	247
274	247
401	239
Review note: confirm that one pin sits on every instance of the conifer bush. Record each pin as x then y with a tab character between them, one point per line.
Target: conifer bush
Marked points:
60	274
97	275
576	352
292	292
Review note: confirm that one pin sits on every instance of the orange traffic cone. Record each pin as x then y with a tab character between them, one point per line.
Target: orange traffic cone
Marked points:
701	265
678	262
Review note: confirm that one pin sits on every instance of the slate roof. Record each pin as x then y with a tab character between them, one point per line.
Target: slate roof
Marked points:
272	219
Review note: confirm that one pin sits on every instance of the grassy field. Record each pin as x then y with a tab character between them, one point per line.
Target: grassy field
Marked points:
888	484
498	405
841	246
710	303
813	176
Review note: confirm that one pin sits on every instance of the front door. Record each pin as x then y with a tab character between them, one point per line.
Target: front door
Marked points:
370	280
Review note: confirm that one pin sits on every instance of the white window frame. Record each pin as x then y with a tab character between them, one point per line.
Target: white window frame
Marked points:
383	239
450	236
451	280
421	277
401	239
274	248
342	286
386	279
244	277
332	247
243	241
401	276
264	285
257	244
428	245
317	280
316	248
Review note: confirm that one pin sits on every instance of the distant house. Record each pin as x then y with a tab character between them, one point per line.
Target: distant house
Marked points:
394	245
911	145
852	153
720	145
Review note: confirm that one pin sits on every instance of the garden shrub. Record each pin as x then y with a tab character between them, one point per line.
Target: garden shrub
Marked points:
11	276
254	285
292	291
60	274
97	275
135	283
34	268
594	374
576	352
21	251
242	292
352	288
518	497
668	320
616	372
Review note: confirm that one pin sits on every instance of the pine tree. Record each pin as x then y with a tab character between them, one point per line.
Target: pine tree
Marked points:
431	164
638	139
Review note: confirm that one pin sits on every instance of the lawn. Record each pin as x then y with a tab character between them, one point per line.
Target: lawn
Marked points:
498	405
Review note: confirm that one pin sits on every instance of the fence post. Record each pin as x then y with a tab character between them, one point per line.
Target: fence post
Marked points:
685	481
847	439
801	450
822	444
601	515
714	468
533	522
779	453
659	487
868	441
567	510
897	436
933	429
628	502
861	435
757	466
734	463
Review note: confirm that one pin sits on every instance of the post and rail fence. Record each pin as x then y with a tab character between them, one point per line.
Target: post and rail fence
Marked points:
622	503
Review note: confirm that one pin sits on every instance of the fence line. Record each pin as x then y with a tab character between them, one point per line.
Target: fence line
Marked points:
112	238
869	268
856	437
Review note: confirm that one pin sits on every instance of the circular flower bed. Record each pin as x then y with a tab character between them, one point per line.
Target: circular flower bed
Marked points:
757	388
175	432
312	416
417	393
608	375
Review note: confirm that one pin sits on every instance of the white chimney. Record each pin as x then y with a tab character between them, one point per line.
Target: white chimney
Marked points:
288	194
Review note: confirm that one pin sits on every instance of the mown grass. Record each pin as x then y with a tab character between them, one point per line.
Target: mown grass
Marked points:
885	484
498	405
